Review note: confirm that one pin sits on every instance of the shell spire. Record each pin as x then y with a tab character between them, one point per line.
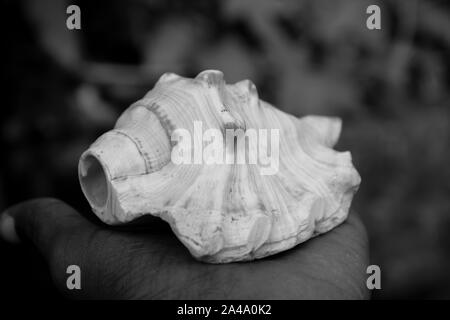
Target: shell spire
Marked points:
214	81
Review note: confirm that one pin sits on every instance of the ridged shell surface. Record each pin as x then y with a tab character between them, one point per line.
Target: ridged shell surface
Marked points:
229	210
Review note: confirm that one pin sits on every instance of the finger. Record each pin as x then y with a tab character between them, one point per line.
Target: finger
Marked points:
7	229
45	222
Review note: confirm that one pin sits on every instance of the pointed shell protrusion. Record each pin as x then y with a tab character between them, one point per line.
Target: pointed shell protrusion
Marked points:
212	78
168	76
221	211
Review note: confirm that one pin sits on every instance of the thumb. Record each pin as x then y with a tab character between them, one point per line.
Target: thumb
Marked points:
43	221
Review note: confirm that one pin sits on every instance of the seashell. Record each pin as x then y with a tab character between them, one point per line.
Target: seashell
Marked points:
222	211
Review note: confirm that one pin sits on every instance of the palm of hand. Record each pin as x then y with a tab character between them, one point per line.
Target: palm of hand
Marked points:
152	263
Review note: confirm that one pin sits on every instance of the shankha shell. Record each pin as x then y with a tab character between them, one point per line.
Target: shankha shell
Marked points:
220	212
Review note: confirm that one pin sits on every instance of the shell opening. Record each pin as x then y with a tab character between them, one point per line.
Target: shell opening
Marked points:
93	181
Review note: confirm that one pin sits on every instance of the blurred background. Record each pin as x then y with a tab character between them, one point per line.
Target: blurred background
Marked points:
62	88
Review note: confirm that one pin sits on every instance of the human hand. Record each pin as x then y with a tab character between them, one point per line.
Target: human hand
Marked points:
151	263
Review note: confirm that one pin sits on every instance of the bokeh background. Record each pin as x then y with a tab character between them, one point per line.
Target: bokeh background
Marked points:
63	88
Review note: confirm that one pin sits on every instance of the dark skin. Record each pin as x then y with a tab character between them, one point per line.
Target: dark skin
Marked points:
119	263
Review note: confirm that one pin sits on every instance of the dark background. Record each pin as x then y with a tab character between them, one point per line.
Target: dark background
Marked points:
62	89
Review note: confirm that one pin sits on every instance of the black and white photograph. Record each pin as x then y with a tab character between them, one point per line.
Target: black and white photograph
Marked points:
226	155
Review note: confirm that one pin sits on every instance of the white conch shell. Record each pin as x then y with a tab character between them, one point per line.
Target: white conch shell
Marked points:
221	212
